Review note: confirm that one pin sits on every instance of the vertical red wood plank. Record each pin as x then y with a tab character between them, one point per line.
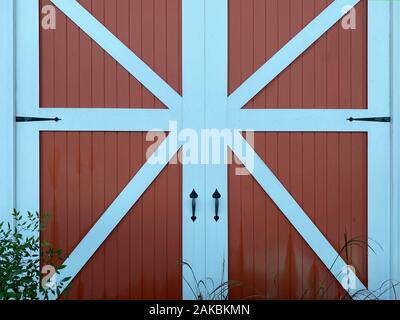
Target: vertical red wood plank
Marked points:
174	232
333	66
148	250
111	177
234	223
47	184
149	195
160	41
73	143
308	61
321	170
296	174
273	213
85	140
247	195
85	64
344	68
259	195
333	232
60	212
174	171
160	66
160	237
123	233
333	214
148	43
136	219
47	58
85	203
161	198
358	51
98	182
111	245
320	65
320	146
73	197
345	189
284	233
123	153
246	41
272	98
98	179
359	202
234	44
272	40
136	226
136	45
283	30
173	43
309	284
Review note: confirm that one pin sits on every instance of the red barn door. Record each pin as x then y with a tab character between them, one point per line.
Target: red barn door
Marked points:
299	223
325	172
82	173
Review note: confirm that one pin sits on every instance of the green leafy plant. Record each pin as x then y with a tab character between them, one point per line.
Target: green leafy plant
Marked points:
21	256
207	289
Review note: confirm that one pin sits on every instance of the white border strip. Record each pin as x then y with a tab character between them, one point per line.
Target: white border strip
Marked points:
395	223
216	81
379	175
7	110
88	119
193	82
305	120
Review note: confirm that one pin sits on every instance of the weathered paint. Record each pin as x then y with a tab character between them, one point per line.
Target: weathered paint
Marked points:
83	172
77	94
325	172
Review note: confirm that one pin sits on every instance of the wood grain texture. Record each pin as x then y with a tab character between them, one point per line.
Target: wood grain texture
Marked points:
75	72
326	173
79	180
330	74
83	172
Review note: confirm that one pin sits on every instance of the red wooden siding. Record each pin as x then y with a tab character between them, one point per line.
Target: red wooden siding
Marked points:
325	172
81	174
76	72
330	74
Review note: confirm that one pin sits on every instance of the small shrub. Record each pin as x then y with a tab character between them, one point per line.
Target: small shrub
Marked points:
21	256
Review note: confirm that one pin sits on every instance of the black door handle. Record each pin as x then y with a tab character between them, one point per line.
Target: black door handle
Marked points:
193	195
216	195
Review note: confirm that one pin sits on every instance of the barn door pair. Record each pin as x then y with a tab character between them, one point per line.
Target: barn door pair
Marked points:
314	193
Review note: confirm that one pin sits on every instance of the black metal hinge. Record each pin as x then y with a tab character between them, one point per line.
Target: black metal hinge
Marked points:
34	119
373	119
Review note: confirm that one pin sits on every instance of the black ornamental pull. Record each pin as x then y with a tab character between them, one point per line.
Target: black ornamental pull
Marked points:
193	195
216	195
36	119
372	119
